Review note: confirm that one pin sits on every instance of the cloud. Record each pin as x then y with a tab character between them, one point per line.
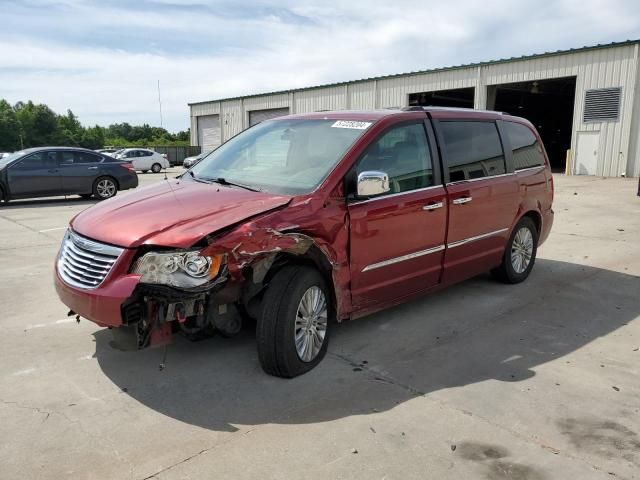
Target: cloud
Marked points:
103	60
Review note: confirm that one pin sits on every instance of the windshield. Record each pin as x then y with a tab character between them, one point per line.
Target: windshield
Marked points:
281	156
10	158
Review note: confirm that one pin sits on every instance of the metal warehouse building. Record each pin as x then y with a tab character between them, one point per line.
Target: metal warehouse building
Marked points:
585	102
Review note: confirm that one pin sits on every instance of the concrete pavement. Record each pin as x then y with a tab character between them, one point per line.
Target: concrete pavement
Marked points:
535	381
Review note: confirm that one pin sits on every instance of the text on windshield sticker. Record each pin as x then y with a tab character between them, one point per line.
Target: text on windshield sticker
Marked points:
351	124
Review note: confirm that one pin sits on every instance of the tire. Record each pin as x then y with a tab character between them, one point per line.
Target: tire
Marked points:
516	266
104	188
281	327
156	168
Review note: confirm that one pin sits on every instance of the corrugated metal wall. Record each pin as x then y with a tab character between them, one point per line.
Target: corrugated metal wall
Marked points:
615	66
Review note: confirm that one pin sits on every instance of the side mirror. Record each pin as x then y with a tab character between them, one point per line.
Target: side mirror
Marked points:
372	183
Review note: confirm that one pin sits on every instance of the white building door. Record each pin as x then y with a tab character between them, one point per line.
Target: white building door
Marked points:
587	153
208	132
257	116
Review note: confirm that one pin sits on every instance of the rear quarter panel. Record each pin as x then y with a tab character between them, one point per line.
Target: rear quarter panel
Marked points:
535	186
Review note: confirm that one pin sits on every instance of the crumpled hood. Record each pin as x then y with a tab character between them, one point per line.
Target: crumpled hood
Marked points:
171	213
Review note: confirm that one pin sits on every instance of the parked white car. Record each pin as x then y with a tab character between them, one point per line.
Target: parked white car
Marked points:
144	159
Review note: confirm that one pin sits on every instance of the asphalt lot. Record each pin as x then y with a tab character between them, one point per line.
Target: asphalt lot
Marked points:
529	382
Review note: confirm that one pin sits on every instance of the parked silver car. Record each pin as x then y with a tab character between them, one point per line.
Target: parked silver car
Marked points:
191	161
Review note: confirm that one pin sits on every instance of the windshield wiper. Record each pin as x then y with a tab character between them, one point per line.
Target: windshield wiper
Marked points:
224	181
197	179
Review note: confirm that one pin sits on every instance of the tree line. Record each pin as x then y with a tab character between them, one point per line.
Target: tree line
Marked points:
27	124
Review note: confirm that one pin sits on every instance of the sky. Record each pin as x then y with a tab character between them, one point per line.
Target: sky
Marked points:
103	59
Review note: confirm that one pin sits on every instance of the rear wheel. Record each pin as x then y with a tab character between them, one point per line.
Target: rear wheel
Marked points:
293	332
104	188
156	167
520	253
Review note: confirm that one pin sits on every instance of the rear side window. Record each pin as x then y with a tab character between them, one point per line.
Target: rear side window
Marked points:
473	150
402	153
527	151
66	158
86	157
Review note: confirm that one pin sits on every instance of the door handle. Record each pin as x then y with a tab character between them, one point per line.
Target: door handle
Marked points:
433	206
92	168
53	170
462	201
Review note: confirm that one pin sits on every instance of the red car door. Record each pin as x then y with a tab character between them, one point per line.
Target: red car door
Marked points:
483	196
397	239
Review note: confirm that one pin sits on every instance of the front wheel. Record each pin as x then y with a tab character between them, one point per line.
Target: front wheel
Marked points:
104	188
520	253
156	167
293	332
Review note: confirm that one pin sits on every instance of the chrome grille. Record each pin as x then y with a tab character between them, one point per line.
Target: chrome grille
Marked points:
85	263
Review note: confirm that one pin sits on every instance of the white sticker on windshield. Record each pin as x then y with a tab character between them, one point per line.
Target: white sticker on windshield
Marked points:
351	124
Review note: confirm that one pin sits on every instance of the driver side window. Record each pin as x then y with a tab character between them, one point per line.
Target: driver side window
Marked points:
403	154
37	161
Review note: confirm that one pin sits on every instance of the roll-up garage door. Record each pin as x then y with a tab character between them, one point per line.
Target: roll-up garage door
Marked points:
257	116
209	132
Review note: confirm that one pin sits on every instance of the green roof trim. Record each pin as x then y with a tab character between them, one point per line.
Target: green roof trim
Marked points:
534	56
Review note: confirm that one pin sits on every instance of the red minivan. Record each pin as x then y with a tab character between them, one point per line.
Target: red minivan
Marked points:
308	219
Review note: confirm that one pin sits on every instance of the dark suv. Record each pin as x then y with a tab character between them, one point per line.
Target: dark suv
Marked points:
54	171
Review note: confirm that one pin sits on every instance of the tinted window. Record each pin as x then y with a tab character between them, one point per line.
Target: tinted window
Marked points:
527	151
473	150
86	157
37	161
402	153
66	158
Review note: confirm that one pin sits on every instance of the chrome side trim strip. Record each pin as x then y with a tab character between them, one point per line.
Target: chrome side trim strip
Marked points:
477	237
409	256
539	167
460	182
381	197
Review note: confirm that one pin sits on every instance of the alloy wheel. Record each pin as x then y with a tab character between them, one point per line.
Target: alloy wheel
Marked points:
106	188
311	323
522	250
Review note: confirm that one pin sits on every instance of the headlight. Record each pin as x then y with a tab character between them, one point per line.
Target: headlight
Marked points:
178	269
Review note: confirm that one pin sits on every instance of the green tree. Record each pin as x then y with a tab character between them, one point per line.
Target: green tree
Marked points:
70	131
120	130
184	135
31	125
39	124
92	138
9	128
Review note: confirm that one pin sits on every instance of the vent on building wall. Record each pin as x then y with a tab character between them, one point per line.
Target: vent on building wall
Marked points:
602	105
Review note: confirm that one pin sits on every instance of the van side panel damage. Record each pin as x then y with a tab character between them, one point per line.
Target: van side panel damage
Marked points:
254	251
258	245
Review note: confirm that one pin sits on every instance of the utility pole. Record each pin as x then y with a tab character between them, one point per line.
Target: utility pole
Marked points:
160	104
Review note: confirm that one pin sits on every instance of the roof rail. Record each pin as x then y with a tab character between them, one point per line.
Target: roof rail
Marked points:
416	108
